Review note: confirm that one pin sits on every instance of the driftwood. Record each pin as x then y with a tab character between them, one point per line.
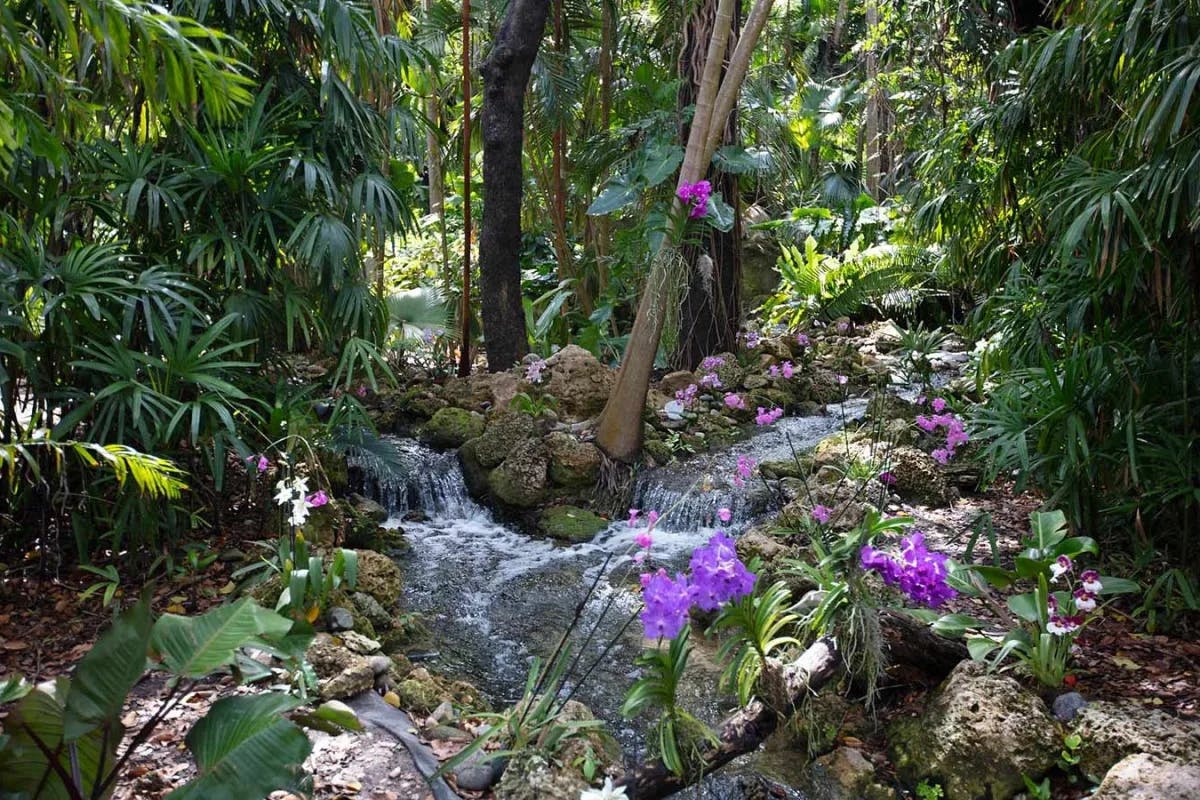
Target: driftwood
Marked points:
911	642
746	729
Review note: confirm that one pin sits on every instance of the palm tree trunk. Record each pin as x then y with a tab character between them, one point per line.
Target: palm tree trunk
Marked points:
872	133
505	79
464	350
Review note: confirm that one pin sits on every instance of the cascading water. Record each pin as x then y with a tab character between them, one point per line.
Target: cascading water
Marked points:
494	598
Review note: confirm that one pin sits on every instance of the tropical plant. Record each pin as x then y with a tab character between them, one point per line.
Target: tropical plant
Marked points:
758	624
64	740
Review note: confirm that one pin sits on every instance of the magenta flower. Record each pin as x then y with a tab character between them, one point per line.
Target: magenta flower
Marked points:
842	379
724	514
919	572
773	370
652	518
1061	566
939	405
803	340
735	401
711	363
887	478
696	195
361	391
788	369
745	467
843	326
925	423
1084	600
822	513
1090	580
765	417
633	516
710	380
644	539
533	371
685	397
263	464
751	339
941	455
317	499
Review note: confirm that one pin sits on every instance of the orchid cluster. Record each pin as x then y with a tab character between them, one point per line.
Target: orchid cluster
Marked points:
686	397
717	576
260	462
696	195
743	471
1084	598
787	370
710	380
803	340
751	339
919	572
734	401
822	513
956	434
767	416
533	370
712	363
294	493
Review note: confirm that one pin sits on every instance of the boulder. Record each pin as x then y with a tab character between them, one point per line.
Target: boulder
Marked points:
481	390
367	508
578	381
845	774
1146	777
379	577
531	776
370	608
572	462
672	382
451	426
1113	730
978	735
475	475
341	673
570	524
521	481
358	643
505	430
917	476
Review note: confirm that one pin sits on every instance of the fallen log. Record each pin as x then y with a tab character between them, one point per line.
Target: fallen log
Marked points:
912	642
746	729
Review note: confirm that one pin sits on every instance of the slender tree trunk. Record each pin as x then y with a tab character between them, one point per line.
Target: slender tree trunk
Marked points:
619	431
464	350
433	160
505	79
872	129
710	314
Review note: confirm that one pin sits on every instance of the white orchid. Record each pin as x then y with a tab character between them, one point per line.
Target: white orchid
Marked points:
605	792
293	493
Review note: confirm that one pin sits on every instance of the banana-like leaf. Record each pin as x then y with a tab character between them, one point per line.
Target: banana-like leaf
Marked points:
195	646
38	720
244	748
107	673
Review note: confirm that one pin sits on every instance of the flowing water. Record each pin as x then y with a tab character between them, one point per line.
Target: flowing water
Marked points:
494	597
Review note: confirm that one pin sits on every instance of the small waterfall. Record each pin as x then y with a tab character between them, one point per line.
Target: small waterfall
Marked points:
432	484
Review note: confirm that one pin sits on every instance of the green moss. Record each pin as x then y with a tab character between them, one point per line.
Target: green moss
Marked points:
450	427
570	524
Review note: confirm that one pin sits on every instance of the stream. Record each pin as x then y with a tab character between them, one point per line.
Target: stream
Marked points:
494	597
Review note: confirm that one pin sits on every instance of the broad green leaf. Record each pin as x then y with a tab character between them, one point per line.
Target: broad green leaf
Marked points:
1049	528
1076	545
720	213
616	195
195	646
662	159
244	748
979	647
1024	606
1000	578
339	714
956	624
107	673
1029	567
23	766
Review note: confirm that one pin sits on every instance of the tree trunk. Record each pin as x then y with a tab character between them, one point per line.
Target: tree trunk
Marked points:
464	307
746	729
433	162
872	129
505	79
710	314
619	432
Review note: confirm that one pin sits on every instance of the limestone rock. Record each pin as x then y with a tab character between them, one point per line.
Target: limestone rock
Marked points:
341	672
570	524
357	643
505	431
1111	731
672	382
531	776
368	508
379	577
339	619
451	426
521	481
572	462
847	775
367	606
1146	777
917	476
475	475
978	734
579	382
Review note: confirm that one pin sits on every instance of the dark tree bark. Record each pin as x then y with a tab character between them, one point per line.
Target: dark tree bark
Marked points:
708	321
502	123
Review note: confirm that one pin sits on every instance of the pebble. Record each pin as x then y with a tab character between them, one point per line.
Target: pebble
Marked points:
340	619
1067	705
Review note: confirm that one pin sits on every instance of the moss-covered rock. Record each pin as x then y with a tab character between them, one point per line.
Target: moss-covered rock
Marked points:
658	450
1111	731
786	468
978	735
570	524
572	463
451	426
379	577
579	381
504	432
521	480
532	776
475	476
341	673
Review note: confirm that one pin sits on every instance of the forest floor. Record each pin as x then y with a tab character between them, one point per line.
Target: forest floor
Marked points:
45	627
